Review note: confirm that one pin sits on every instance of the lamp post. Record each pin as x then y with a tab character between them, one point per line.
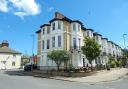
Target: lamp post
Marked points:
32	43
32	58
124	40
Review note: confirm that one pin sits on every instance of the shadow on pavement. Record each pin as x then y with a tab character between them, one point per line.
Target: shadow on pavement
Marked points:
17	73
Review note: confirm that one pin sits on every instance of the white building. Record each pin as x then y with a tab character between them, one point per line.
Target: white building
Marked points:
63	33
9	58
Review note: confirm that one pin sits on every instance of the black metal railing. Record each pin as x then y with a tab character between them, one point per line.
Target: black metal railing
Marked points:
75	48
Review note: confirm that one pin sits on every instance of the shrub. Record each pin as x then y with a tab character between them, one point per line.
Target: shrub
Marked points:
117	63
120	63
113	64
99	66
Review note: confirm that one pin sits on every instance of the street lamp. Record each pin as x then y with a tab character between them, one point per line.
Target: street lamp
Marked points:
124	40
32	43
32	58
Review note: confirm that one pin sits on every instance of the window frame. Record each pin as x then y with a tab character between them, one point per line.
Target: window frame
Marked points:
48	44
48	30
43	31
53	26
74	27
79	29
79	42
59	24
43	44
53	41
13	63
59	41
74	43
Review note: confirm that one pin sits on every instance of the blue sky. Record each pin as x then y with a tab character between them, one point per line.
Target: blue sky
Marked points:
19	19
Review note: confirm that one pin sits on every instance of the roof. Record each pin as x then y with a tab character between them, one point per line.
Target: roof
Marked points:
63	19
83	28
38	31
105	38
90	29
54	20
96	33
8	50
110	42
78	22
67	19
44	25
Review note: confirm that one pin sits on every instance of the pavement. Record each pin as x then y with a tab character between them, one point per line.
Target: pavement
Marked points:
100	76
14	80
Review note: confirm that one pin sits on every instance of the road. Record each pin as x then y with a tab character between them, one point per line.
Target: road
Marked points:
16	80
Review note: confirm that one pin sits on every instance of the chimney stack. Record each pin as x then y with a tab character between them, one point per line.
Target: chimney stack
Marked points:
58	15
5	43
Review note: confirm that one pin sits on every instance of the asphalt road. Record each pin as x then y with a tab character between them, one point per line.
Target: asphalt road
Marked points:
16	80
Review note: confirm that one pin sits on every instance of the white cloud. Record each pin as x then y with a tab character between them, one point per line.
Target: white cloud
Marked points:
3	6
25	7
20	7
50	9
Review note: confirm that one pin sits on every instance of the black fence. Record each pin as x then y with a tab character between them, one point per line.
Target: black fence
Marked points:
67	69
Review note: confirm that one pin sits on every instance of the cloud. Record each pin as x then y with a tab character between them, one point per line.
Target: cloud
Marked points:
50	9
3	6
20	8
26	7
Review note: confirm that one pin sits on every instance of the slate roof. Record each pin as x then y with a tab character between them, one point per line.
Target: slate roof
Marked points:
8	50
38	31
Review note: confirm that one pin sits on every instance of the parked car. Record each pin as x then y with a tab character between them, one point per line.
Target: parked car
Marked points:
29	67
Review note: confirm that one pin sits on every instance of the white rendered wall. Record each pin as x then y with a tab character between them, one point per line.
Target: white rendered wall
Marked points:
9	58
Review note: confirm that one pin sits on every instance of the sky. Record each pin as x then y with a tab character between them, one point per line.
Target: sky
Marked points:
20	19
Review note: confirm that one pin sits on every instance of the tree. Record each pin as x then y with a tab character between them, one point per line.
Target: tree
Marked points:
91	49
59	56
125	57
25	59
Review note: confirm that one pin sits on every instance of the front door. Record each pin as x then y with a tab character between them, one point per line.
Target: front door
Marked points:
83	62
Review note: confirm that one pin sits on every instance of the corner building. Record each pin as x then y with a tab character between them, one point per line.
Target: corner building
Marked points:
62	33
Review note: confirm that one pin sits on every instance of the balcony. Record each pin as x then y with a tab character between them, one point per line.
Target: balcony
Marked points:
105	54
75	48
